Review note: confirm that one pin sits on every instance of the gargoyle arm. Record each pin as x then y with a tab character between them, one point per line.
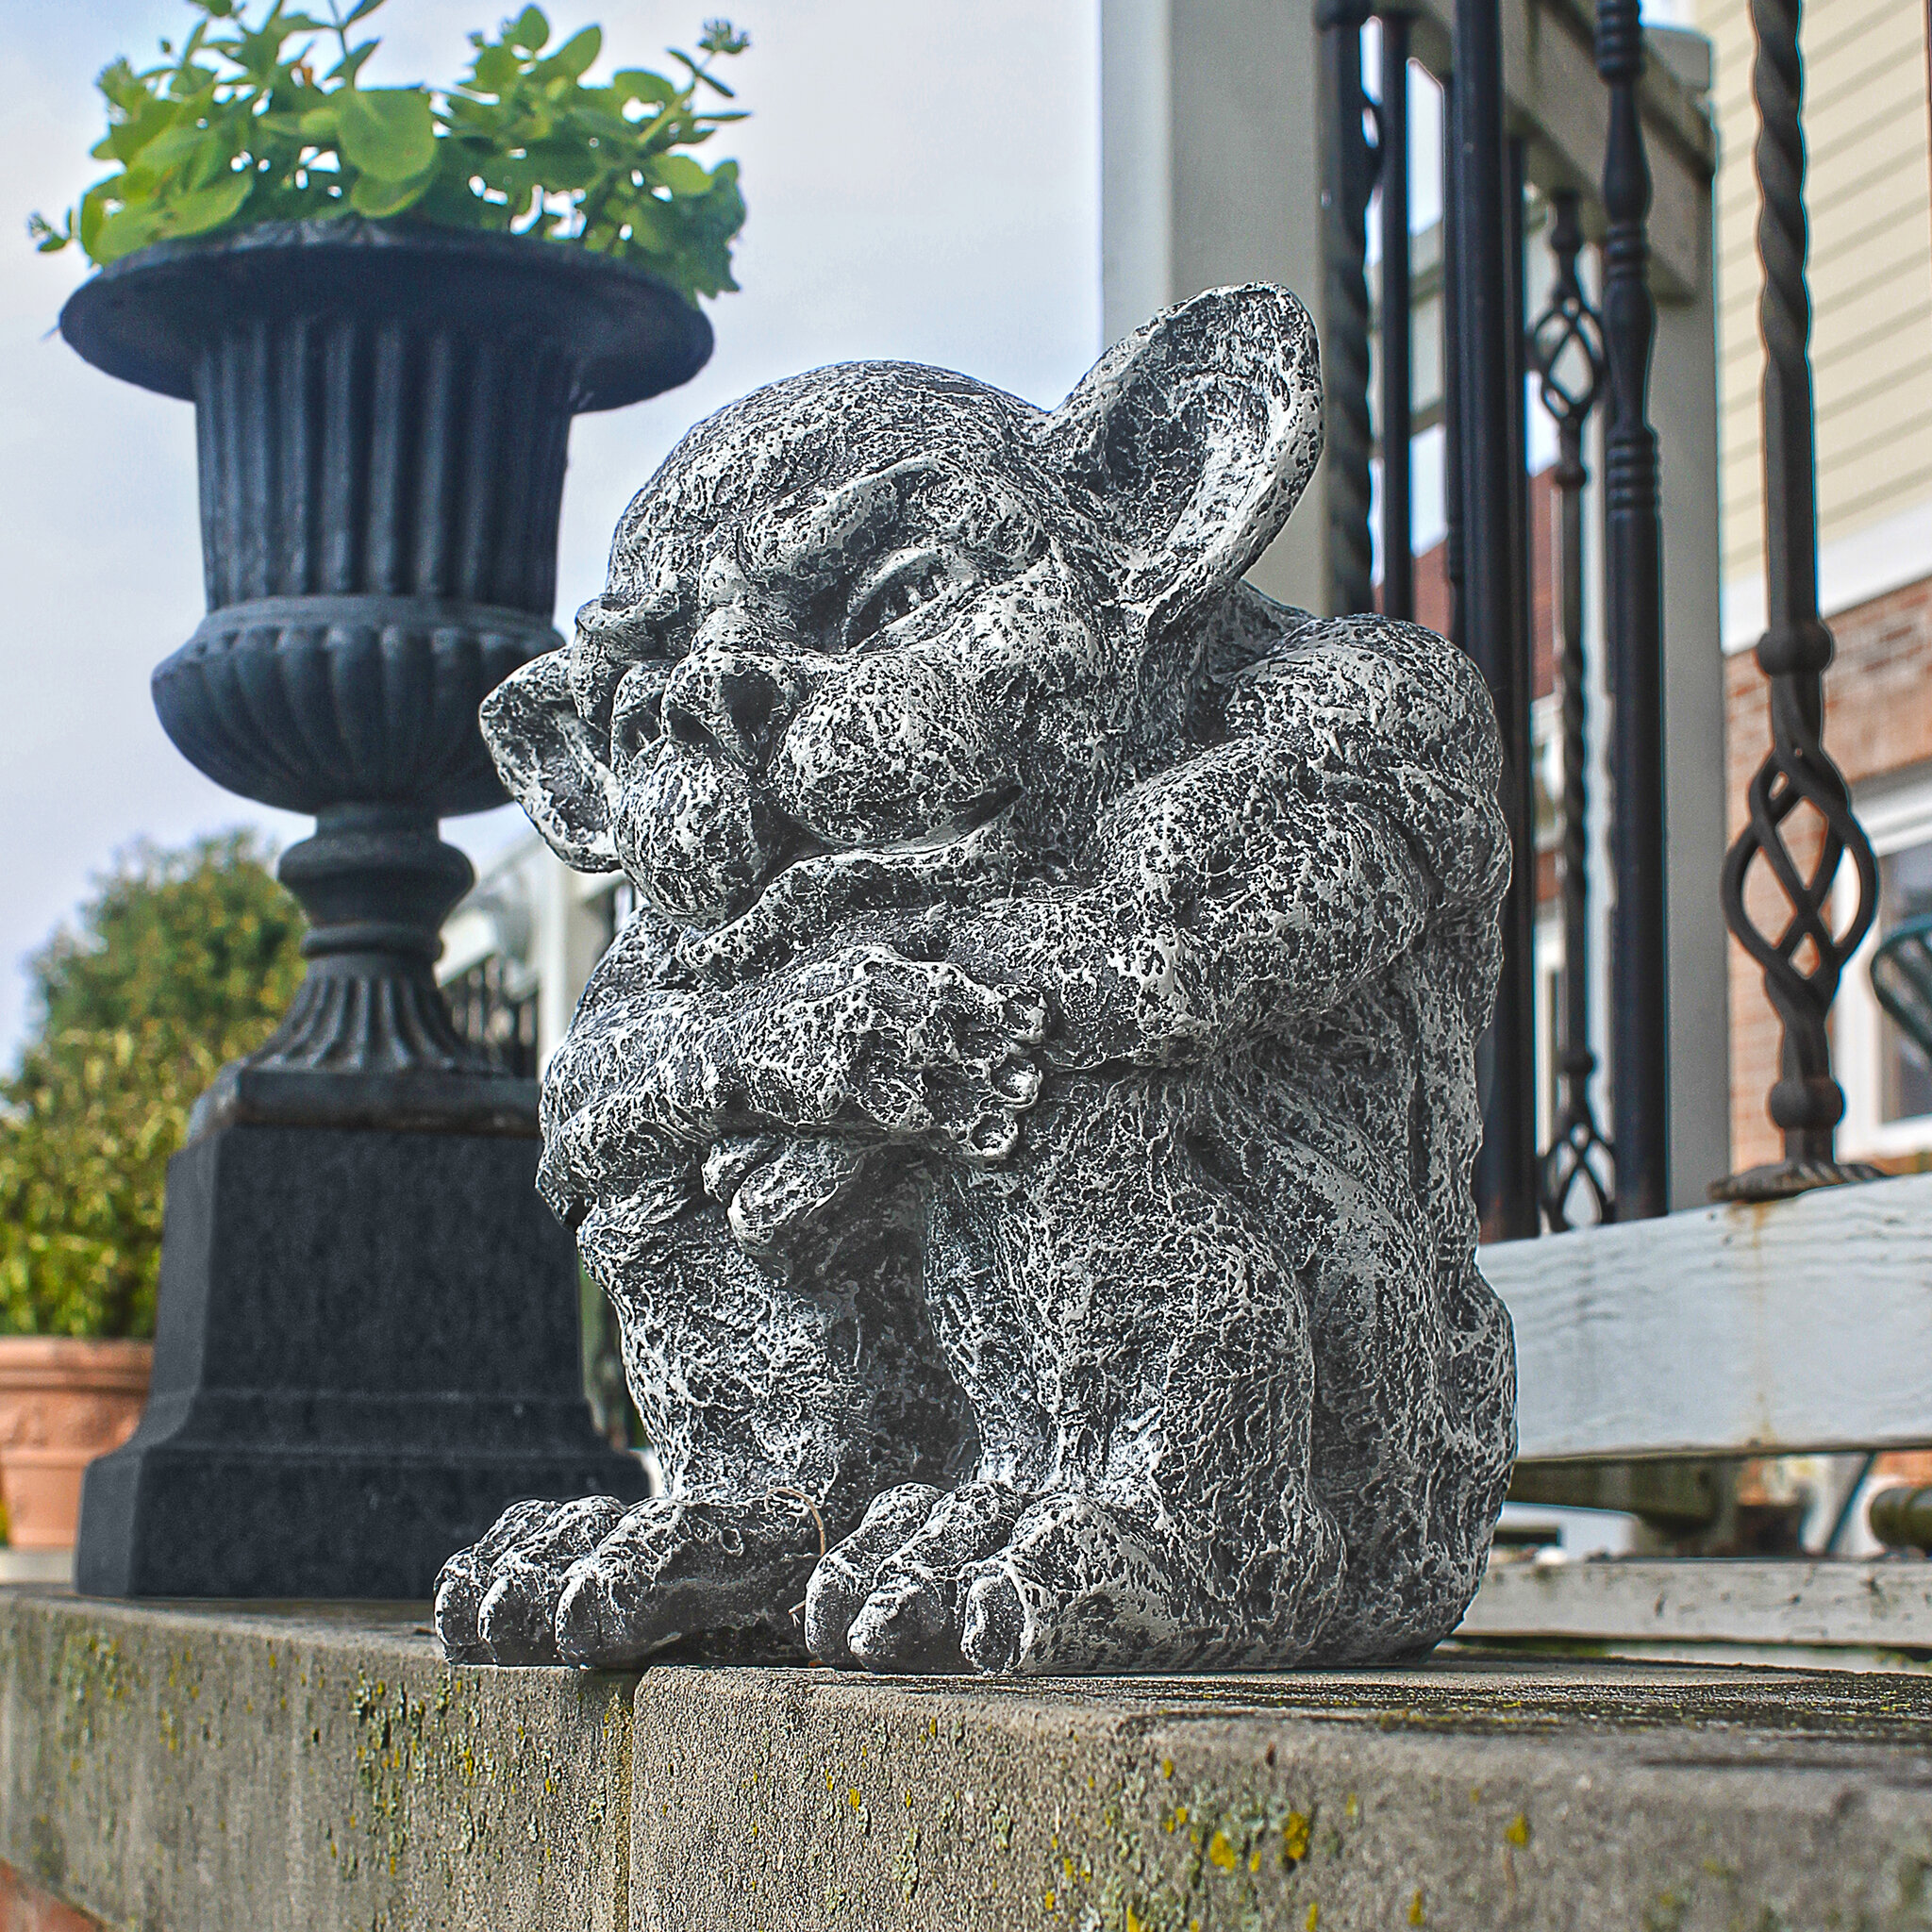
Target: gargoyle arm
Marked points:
1259	880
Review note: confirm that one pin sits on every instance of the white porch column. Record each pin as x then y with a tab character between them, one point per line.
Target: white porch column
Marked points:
1683	405
1211	174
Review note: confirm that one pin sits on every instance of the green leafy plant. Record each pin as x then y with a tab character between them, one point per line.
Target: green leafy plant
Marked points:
181	961
238	126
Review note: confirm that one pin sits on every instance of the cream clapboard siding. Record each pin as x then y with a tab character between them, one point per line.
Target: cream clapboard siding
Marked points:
1869	192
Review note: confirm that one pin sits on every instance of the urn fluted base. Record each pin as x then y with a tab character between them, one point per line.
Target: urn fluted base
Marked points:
368	1041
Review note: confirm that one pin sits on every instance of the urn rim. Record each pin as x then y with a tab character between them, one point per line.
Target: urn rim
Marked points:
146	317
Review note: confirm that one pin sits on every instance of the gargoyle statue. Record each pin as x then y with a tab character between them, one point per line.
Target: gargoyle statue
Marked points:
1027	1136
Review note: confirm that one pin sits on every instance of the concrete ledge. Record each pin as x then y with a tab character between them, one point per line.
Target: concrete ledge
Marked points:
210	1769
1724	1332
203	1770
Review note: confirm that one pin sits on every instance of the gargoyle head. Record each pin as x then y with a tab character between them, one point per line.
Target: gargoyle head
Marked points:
883	616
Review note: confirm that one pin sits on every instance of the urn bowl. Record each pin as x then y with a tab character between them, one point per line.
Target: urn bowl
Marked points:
382	412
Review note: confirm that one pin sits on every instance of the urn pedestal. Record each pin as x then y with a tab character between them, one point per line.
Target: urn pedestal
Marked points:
366	1338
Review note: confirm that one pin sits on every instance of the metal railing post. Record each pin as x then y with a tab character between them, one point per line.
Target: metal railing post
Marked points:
1488	435
1633	570
1346	177
1805	1102
1398	379
1564	346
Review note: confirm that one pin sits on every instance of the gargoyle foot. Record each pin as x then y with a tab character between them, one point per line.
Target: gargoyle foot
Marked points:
889	1598
672	1569
1076	1589
496	1601
595	1583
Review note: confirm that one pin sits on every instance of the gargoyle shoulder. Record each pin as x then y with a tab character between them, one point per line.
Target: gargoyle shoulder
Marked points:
1350	688
1397	719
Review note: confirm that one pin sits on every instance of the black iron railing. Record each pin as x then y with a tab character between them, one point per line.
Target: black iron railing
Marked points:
1586	358
1566	346
493	1008
1797	774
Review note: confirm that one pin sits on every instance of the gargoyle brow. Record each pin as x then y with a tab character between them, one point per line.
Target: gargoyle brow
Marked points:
829	527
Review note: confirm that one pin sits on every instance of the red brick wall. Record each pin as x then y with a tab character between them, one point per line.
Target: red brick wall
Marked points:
24	1907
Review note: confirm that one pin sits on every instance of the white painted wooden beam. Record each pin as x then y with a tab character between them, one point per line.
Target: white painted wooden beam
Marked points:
1884	1606
1803	1326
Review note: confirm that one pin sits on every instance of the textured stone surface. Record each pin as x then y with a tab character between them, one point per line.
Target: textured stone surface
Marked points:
1473	1795
225	1769
1029	1130
367	1345
231	1771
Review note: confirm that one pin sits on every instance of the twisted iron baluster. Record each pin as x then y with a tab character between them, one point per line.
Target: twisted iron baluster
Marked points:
1347	177
1453	572
1805	1102
1565	350
1633	626
1398	381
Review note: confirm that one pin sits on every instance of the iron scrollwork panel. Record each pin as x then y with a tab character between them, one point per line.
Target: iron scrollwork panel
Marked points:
1566	351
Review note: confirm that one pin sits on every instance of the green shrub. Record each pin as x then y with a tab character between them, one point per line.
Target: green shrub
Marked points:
238	128
181	962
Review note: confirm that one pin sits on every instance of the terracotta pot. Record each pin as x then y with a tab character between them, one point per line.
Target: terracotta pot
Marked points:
62	1403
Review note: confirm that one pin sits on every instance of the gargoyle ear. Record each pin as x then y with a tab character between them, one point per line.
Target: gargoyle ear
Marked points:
549	760
1194	436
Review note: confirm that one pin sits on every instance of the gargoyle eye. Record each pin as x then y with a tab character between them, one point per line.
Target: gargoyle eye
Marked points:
895	592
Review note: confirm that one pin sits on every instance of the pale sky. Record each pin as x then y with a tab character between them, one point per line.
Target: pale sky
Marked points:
923	183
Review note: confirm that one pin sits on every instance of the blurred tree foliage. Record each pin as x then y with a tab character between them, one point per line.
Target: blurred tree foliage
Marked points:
181	961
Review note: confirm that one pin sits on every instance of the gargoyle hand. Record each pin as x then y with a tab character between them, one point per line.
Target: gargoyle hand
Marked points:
858	1041
866	1042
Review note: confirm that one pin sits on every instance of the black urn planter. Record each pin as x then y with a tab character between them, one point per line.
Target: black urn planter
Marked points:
366	1341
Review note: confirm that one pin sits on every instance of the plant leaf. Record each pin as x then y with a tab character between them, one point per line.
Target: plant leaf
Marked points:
207	207
681	175
375	198
577	53
126	230
529	30
496	71
388	132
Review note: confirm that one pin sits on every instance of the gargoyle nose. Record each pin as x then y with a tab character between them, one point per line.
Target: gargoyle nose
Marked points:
732	700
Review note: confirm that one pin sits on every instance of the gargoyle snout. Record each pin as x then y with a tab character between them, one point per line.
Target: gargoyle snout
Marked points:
731	700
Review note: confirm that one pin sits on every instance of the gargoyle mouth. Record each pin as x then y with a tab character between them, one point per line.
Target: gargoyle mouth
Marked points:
816	883
954	832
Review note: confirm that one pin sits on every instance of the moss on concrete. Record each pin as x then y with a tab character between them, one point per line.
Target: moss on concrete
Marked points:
236	1768
1474	1797
259	1769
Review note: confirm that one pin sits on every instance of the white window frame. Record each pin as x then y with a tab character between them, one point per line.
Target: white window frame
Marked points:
1896	812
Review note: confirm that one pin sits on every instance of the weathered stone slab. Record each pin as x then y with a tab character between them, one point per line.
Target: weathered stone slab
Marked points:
220	1770
206	1769
1485	1795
